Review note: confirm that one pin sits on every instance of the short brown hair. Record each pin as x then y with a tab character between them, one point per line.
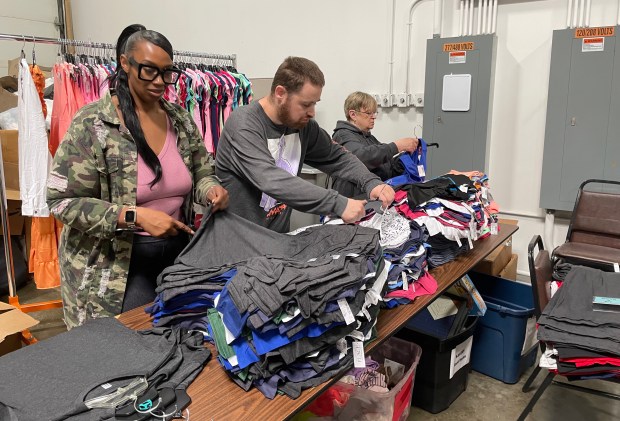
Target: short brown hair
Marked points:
294	72
358	101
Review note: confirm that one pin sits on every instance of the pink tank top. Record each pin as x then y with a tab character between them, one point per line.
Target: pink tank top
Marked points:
175	184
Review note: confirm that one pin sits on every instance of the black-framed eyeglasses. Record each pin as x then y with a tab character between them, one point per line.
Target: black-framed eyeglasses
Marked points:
149	73
375	114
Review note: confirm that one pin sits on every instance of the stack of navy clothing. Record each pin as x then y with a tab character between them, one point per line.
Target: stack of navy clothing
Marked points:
282	310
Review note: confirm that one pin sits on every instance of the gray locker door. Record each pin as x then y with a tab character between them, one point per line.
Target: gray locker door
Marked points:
587	117
455	131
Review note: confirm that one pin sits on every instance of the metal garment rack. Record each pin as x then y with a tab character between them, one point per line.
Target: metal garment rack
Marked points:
219	59
64	42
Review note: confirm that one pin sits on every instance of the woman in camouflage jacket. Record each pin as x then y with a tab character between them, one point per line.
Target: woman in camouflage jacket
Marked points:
93	184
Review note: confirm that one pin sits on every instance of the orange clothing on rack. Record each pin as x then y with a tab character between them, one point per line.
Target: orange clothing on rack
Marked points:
39	82
43	261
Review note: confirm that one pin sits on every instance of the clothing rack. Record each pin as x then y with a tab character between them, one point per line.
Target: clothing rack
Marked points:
64	42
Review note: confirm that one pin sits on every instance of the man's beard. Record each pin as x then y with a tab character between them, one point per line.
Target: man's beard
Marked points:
284	115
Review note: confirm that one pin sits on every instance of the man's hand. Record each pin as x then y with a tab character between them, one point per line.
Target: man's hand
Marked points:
384	193
218	196
354	211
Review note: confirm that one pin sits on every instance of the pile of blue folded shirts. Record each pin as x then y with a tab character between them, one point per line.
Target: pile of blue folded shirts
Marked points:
283	310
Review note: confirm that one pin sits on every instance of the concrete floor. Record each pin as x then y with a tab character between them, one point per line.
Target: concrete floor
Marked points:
485	399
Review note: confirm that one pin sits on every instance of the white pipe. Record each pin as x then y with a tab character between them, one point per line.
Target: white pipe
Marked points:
548	230
437	18
471	18
575	12
461	19
489	15
568	13
494	22
391	63
409	26
479	24
588	7
581	13
466	20
522	214
484	15
618	12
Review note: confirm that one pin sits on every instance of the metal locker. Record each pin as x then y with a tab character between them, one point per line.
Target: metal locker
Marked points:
582	137
462	135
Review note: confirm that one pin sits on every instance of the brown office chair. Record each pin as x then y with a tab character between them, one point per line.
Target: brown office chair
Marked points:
541	275
593	237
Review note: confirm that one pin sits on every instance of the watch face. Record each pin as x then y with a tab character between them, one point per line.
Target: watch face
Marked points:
130	217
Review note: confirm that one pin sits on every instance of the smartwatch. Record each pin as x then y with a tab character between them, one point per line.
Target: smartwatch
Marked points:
131	217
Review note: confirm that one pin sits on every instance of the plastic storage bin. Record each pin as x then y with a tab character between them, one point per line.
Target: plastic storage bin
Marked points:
349	402
434	390
504	341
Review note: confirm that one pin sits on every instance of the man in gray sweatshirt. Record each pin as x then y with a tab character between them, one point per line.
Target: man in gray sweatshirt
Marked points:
264	145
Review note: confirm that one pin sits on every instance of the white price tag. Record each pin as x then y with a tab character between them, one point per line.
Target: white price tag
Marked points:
106	386
405	282
421	171
494	229
616	267
458	241
342	345
485	195
471	243
346	311
359	360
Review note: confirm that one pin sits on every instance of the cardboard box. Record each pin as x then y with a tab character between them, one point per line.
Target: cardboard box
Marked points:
499	258
510	271
12	322
7	100
464	287
10	158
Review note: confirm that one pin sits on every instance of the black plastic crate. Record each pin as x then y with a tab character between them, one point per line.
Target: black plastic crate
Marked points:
434	390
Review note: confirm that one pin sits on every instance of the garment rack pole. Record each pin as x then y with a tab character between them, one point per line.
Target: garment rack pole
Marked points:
77	43
4	215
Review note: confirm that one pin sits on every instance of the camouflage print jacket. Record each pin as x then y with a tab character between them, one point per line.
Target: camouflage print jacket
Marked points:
93	175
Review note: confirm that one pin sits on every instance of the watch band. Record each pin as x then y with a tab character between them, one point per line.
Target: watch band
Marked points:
130	217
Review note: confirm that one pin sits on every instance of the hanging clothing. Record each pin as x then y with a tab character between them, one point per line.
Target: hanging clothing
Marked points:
34	157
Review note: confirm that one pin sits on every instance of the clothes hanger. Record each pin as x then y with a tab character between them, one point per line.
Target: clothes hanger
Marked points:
34	58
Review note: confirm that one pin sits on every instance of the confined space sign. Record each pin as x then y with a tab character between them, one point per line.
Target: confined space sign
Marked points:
458	46
456	57
592	44
604	31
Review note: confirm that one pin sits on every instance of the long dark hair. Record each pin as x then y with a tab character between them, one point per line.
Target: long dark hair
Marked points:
127	41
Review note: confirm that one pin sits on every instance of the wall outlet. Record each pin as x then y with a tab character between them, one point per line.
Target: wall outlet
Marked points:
418	99
402	100
386	100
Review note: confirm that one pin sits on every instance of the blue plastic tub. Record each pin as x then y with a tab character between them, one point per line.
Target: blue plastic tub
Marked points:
500	333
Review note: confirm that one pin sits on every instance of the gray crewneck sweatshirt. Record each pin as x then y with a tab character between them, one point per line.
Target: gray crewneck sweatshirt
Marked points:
246	164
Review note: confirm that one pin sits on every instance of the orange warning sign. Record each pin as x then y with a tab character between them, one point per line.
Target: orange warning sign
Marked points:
603	31
458	46
593	40
457	53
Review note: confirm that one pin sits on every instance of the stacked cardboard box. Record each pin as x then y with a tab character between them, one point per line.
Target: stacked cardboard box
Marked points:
501	262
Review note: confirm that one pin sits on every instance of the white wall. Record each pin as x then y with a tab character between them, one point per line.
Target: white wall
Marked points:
27	17
350	41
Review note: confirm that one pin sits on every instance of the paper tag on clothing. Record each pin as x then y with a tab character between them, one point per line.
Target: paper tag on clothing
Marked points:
458	241
106	386
359	359
421	171
335	256
494	230
405	282
346	311
530	335
616	267
471	243
485	196
312	260
442	307
341	345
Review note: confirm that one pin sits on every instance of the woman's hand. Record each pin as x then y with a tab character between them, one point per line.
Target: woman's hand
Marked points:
218	196
159	224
